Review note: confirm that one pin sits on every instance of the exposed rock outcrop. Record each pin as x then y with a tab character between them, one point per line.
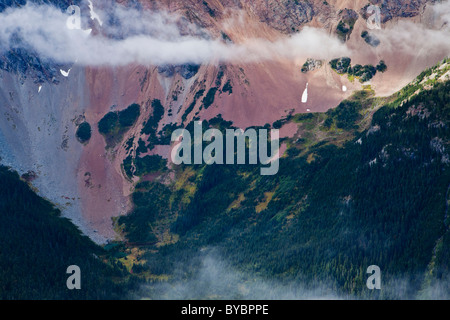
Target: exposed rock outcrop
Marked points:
397	8
311	65
187	71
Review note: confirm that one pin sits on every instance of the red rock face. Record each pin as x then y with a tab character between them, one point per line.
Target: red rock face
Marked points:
103	190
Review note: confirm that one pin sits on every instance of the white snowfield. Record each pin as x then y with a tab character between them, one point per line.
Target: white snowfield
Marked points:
305	94
65	73
94	15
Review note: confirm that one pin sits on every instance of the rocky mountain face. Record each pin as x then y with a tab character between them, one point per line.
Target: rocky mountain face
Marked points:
398	8
21	59
62	4
42	103
285	16
289	16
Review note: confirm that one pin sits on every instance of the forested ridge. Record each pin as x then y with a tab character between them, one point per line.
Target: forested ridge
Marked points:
37	245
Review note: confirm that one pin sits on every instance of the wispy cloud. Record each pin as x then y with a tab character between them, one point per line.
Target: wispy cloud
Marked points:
149	38
216	279
128	35
209	275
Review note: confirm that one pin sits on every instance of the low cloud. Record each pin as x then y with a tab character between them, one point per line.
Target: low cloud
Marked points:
216	279
127	35
150	38
430	36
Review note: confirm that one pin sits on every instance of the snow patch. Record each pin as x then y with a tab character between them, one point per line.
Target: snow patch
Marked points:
87	32
65	73
305	94
94	15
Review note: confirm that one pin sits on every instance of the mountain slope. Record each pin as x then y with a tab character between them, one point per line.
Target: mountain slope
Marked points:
359	185
43	107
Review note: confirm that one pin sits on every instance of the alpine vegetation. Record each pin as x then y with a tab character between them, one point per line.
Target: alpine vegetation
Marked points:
214	152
